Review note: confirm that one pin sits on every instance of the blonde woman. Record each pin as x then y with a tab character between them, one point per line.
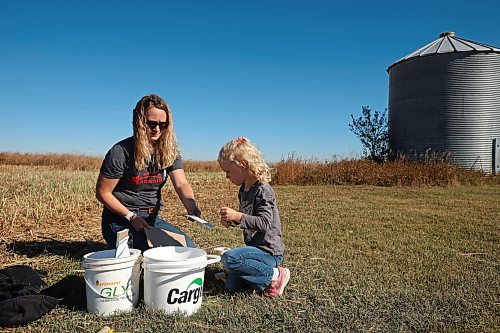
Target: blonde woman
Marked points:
258	263
135	170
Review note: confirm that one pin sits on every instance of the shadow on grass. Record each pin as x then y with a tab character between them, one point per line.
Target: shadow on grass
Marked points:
69	291
213	287
71	249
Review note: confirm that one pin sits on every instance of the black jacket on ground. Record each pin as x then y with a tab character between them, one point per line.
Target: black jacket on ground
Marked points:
20	301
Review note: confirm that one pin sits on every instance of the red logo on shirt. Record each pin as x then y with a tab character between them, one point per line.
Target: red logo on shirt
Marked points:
147	178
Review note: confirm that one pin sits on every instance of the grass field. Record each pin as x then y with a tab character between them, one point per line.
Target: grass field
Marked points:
363	258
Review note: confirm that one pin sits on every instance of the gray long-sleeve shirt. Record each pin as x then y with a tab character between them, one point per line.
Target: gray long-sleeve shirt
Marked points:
261	220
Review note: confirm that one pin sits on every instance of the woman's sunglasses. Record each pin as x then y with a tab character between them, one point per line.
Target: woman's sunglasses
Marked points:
152	124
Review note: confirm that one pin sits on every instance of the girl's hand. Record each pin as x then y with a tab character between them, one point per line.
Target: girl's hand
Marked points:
227	215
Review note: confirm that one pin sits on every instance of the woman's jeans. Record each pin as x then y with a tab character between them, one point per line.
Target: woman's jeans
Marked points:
249	265
113	223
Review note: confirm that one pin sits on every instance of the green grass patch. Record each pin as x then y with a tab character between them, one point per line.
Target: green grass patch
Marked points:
362	259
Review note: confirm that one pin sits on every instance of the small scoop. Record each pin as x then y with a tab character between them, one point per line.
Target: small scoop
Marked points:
199	220
122	249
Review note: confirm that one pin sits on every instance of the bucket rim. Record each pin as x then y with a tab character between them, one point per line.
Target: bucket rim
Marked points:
162	254
110	266
134	254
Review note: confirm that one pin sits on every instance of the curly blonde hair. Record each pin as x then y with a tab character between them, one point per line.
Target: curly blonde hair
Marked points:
166	149
241	149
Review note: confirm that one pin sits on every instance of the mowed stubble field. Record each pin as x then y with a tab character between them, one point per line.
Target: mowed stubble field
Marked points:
363	258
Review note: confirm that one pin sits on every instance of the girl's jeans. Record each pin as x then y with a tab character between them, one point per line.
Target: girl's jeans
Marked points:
249	265
112	223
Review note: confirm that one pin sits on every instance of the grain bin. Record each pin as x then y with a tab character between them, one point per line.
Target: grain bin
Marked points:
445	97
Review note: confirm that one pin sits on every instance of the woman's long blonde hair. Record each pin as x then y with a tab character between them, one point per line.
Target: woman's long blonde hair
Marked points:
166	150
241	149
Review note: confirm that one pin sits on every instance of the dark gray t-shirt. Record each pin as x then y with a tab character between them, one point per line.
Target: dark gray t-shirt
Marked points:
261	220
135	188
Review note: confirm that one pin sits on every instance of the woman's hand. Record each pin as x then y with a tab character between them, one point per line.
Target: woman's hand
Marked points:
194	211
228	215
138	223
184	191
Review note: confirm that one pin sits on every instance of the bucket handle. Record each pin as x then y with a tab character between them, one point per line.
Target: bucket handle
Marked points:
89	284
212	259
179	269
176	270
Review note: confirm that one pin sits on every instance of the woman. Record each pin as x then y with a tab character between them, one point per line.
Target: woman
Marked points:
134	172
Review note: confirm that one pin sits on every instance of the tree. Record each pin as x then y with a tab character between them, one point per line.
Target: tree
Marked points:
372	131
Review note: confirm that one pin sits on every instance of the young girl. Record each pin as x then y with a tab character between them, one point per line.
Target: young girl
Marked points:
256	264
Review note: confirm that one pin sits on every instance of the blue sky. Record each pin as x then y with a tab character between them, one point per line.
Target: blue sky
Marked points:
286	74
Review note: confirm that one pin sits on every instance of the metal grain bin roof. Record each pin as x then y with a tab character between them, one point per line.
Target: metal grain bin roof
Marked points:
447	43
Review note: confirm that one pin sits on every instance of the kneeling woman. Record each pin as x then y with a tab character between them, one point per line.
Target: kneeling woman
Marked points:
134	172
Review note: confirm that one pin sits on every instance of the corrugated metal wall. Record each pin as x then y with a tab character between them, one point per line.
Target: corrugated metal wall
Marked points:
449	103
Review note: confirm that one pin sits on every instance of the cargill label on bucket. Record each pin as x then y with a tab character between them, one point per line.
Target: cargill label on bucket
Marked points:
192	294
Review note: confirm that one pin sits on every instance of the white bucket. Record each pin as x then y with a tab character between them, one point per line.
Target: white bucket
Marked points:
112	284
173	278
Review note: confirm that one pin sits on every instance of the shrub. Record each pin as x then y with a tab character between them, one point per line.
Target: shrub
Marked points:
400	172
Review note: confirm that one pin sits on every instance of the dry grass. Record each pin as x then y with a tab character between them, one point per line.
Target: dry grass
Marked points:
201	166
84	162
60	161
401	172
430	171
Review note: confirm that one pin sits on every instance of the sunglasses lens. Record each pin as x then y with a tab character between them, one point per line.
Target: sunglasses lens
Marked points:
152	124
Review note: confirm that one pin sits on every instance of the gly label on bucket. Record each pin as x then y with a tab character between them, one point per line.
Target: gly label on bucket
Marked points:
175	296
113	290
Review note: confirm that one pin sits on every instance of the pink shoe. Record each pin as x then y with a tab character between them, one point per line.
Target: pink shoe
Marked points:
277	287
